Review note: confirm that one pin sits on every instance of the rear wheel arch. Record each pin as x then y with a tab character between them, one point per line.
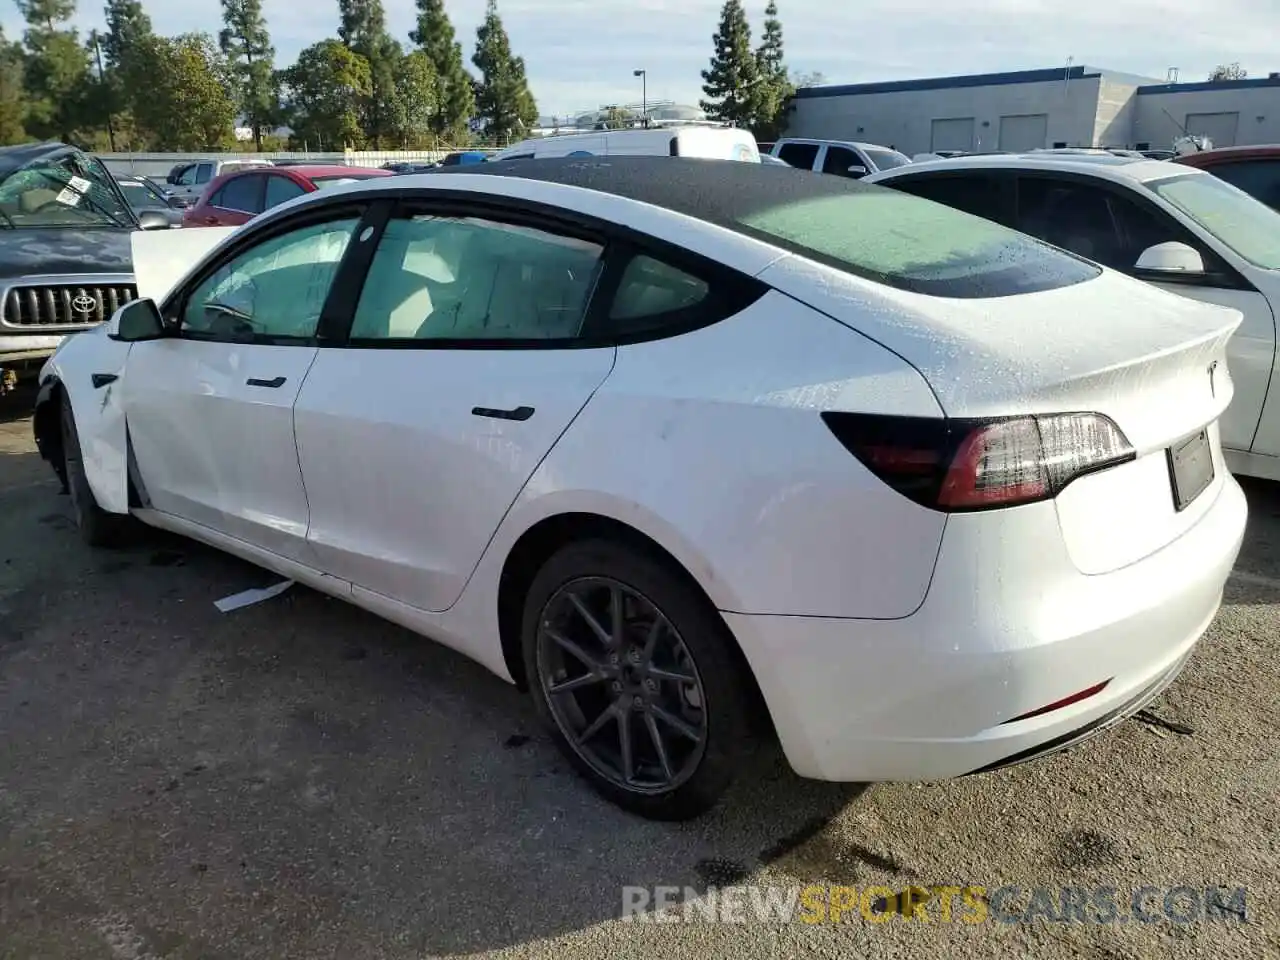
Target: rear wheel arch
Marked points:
545	538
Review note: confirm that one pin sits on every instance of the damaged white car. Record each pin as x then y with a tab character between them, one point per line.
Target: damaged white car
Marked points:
697	452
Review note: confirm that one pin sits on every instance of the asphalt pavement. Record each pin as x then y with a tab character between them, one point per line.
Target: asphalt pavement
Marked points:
298	779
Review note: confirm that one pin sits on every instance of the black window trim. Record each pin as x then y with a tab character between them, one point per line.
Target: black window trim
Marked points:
1005	180
367	213
730	291
262	193
1219	274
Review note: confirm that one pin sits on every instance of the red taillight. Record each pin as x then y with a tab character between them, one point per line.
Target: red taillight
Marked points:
956	465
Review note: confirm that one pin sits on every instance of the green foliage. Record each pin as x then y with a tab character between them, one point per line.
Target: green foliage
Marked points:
247	46
57	69
417	90
327	89
127	26
774	86
455	98
13	100
503	101
363	29
188	104
730	82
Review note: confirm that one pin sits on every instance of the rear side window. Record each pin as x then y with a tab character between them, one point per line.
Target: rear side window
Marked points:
651	289
280	189
1260	178
979	194
800	155
898	240
243	194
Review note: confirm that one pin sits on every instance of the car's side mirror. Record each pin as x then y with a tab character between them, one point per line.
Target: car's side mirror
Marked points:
153	220
1172	259
137	320
857	170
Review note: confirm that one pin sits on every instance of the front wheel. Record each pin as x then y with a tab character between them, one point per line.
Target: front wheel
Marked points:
97	527
637	678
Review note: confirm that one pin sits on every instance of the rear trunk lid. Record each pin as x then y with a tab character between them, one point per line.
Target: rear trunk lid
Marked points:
1154	362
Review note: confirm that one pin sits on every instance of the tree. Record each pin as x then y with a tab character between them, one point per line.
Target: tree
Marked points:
730	82
326	90
1228	71
188	104
417	89
774	86
57	69
13	99
456	102
247	46
127	26
363	29
504	103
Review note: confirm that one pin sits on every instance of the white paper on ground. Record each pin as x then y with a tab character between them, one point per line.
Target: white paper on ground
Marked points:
246	597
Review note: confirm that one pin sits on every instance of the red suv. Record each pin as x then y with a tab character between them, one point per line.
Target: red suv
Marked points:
235	198
1255	170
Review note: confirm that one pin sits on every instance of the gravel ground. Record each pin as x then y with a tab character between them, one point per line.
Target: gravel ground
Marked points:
298	779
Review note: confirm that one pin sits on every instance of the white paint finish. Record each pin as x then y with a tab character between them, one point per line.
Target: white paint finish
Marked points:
414	526
1110	345
161	259
709	142
211	448
780	517
99	414
1251	357
1010	625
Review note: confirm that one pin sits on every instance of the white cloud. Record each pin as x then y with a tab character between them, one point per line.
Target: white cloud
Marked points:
581	53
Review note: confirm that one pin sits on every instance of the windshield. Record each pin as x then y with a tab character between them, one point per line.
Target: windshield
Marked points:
916	244
65	190
1247	226
142	196
325	183
886	159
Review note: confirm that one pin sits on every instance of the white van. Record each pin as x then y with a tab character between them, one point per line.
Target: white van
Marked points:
710	142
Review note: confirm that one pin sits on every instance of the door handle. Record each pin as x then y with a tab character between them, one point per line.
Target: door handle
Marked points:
275	382
518	413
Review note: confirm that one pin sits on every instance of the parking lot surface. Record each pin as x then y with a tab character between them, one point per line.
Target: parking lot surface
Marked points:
297	779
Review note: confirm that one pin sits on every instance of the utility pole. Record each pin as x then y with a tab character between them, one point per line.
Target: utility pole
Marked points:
644	95
102	81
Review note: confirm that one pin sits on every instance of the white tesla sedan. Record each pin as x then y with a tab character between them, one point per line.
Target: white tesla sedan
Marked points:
700	452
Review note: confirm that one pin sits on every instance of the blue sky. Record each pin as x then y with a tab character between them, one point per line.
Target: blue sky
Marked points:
581	53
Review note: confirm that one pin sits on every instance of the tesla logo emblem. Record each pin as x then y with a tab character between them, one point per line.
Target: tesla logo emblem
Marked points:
1213	389
84	304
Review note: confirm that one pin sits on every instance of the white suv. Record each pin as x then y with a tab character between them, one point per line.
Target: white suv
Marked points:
189	179
844	158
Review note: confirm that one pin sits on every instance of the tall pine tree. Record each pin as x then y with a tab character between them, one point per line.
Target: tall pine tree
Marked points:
774	86
57	76
504	101
455	101
730	83
364	30
13	98
245	43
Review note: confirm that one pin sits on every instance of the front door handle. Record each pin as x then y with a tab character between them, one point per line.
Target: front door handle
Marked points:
518	413
276	382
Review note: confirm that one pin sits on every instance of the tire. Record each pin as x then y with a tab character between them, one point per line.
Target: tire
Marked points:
641	696
97	527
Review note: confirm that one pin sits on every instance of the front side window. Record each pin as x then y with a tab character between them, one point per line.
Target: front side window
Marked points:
67	190
841	161
204	173
463	278
274	290
280	189
1244	224
187	178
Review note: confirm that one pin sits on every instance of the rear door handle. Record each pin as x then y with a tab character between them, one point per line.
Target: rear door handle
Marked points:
276	382
518	413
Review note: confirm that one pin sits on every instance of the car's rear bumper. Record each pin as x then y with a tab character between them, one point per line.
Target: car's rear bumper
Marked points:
1010	626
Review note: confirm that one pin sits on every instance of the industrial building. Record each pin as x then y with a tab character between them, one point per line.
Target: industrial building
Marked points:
1073	106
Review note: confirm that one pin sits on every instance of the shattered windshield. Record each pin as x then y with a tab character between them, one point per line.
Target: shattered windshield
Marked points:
63	190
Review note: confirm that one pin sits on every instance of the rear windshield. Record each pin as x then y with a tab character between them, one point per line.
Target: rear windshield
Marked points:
917	245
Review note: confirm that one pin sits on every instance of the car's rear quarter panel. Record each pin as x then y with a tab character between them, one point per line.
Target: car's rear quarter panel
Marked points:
712	444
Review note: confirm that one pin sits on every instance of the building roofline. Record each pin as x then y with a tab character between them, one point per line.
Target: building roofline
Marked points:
1245	84
949	83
